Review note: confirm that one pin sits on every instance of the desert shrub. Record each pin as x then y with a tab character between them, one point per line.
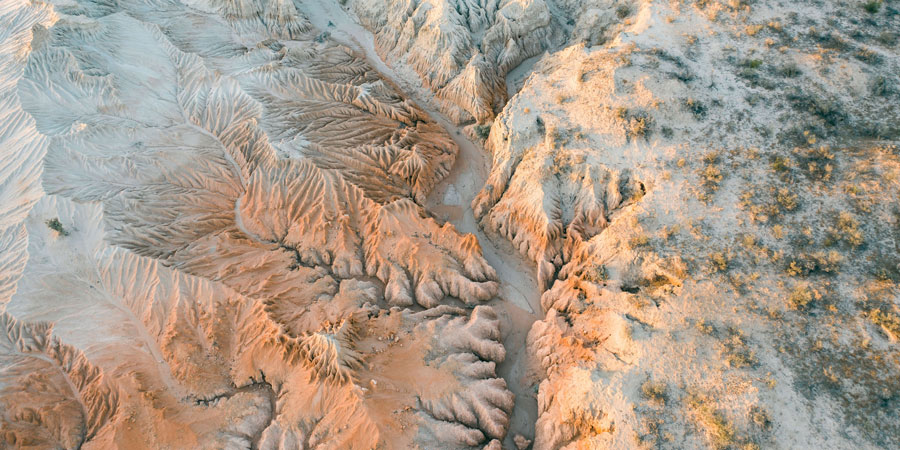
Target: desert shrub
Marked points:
881	86
828	109
886	266
711	176
752	29
789	70
638	241
861	382
718	261
867	55
887	320
817	163
697	108
769	204
780	164
736	351
482	131
802	296
786	199
831	40
596	274
800	135
638	126
654	391
718	429
887	38
805	264
57	226
845	229
704	327
760	418
872	7
557	138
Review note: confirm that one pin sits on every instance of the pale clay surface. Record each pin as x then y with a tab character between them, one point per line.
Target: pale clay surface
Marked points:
514	224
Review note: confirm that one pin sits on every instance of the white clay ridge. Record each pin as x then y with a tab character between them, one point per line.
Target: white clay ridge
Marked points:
259	224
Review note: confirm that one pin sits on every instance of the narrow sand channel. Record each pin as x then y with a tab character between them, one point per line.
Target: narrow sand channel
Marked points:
519	298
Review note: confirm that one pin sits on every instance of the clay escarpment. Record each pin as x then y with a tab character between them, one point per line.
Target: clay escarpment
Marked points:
259	190
461	50
546	193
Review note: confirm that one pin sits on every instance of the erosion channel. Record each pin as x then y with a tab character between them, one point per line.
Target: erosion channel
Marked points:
518	301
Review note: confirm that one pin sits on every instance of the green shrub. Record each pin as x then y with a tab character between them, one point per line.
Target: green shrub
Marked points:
751	63
57	226
872	7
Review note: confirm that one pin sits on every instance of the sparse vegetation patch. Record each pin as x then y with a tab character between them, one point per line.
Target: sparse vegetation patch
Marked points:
57	226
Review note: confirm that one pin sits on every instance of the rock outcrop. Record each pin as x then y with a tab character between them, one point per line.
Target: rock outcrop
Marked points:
461	49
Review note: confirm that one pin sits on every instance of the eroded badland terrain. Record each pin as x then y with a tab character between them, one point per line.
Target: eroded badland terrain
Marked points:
449	224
